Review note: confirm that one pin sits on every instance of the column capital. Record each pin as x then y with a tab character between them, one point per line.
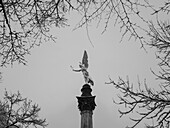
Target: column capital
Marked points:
86	101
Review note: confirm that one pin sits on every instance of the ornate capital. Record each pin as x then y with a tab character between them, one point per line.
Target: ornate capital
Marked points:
86	101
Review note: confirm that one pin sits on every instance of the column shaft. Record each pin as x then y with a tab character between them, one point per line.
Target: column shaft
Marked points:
86	119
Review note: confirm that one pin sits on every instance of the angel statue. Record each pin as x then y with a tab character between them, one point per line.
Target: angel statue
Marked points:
83	68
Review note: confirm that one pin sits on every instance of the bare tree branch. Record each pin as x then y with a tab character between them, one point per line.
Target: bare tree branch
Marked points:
147	103
27	23
19	112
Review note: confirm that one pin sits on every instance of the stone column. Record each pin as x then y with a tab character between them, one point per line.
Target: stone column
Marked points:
86	105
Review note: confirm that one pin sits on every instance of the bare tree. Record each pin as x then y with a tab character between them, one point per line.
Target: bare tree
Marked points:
147	103
26	23
19	112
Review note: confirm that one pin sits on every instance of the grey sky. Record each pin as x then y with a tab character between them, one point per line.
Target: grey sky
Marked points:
49	81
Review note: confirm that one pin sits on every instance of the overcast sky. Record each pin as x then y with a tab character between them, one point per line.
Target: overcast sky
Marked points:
49	81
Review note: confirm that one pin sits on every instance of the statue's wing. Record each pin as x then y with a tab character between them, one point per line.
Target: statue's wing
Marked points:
85	60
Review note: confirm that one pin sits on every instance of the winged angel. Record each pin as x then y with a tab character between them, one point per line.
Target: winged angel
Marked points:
83	68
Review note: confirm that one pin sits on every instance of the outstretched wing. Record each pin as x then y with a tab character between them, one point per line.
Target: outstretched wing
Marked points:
85	59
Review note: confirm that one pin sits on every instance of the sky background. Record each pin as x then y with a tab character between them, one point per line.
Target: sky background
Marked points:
49	81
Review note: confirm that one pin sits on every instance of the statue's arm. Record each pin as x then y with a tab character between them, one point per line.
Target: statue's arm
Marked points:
78	70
